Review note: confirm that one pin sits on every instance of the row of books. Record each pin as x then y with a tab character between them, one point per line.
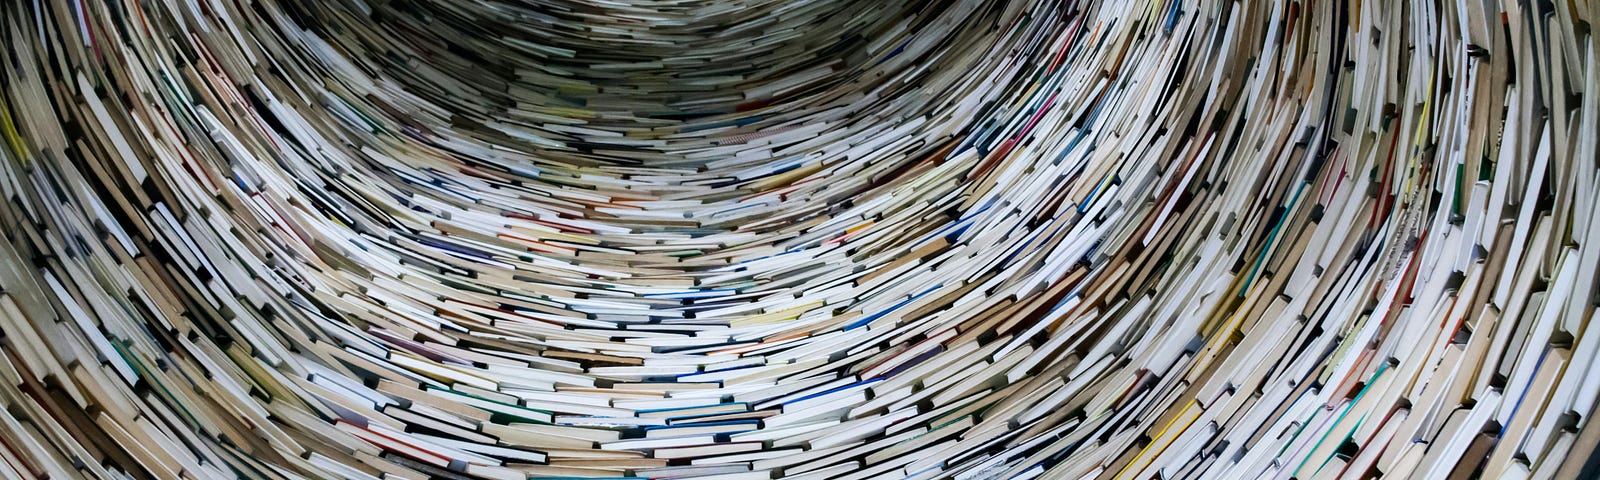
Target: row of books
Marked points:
824	239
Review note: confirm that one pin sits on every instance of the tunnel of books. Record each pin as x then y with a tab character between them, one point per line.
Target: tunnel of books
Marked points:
823	239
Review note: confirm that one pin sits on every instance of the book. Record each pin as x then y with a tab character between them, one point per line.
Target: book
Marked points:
741	240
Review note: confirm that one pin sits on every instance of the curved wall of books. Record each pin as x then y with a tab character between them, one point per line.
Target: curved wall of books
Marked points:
508	239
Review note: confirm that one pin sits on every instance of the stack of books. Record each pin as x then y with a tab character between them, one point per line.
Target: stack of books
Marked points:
759	239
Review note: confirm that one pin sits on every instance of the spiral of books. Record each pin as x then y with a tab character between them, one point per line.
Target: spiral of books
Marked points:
820	239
